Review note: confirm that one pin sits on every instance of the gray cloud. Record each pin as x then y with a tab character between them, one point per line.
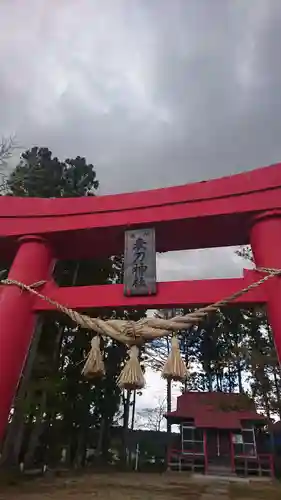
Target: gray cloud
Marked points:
200	264
154	93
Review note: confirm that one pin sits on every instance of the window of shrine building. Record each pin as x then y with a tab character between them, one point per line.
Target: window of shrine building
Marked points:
244	443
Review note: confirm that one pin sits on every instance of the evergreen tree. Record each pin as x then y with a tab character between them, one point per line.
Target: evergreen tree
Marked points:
39	174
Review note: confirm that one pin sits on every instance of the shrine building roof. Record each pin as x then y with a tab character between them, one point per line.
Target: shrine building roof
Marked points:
216	410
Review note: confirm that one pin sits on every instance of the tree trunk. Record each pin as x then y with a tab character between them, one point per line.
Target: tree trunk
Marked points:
239	374
36	432
266	405
217	379
264	390
169	391
208	371
169	404
277	388
126	405
81	450
106	439
100	438
133	410
230	386
51	455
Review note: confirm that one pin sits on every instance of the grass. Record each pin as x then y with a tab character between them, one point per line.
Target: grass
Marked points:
255	490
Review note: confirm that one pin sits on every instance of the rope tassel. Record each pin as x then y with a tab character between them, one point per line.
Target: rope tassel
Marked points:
175	368
131	377
94	366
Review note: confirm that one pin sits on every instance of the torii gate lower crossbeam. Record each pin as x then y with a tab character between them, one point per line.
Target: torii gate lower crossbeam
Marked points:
236	210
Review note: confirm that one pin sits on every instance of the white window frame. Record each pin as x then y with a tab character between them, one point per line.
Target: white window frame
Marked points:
253	443
192	428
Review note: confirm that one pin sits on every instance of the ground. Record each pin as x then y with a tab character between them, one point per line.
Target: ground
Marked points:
139	487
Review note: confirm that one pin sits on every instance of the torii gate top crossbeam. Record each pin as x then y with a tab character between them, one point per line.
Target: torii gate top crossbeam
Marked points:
201	215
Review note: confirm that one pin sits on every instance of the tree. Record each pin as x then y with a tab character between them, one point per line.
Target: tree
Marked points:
41	175
152	418
7	146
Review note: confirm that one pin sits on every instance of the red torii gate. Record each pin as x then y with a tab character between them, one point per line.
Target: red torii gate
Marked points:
237	210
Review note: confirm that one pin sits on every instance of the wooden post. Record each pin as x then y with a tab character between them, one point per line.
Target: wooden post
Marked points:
205	450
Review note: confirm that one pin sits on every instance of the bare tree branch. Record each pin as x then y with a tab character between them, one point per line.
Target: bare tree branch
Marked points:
7	147
245	253
152	418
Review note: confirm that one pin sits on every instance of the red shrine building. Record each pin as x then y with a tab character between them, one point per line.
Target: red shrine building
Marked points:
220	434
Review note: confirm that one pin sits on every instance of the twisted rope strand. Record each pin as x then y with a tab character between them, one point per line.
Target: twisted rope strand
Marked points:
129	332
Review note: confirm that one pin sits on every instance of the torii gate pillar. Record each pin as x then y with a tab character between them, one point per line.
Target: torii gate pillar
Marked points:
17	319
265	238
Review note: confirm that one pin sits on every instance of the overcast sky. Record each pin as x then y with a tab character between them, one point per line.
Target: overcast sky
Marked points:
153	92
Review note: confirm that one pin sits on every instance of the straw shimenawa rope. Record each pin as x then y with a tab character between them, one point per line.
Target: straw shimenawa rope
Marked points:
135	334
